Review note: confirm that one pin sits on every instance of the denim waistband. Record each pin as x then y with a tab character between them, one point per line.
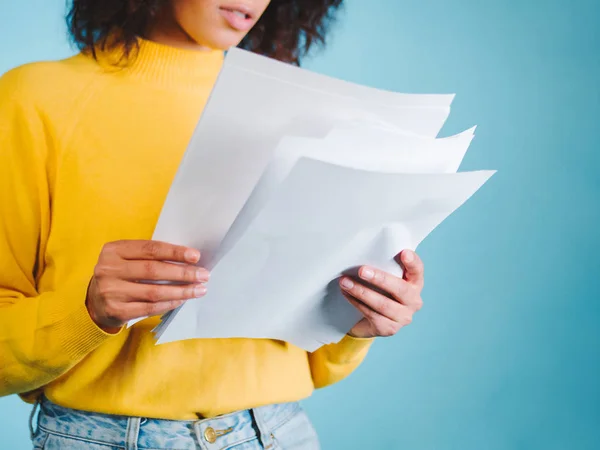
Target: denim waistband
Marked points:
139	433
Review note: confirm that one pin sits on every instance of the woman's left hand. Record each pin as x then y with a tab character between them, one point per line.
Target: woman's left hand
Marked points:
384	315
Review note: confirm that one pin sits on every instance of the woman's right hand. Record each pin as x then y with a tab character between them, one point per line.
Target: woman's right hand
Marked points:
116	294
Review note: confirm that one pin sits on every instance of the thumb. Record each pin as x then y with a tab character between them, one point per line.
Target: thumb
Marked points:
413	267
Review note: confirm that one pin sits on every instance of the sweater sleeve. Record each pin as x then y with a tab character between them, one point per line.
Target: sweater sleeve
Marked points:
42	334
334	362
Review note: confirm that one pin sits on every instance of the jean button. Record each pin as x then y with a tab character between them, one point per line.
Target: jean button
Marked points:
210	435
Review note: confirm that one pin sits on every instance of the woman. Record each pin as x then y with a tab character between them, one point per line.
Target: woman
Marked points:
88	148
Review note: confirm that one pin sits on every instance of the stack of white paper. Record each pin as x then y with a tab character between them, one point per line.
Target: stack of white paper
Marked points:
293	178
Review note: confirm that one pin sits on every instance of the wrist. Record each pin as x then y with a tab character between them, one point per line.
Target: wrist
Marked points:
89	306
359	335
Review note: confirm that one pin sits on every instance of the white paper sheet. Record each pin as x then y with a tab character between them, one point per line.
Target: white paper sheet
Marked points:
292	178
274	69
363	148
355	145
254	104
259	290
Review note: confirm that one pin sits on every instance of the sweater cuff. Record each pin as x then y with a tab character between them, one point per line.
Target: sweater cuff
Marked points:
349	349
67	313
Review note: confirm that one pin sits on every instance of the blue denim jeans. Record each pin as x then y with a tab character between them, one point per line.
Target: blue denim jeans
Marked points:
274	427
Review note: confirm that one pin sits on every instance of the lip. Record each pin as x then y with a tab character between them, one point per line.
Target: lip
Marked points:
231	14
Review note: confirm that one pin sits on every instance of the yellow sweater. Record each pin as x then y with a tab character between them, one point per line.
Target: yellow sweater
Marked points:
87	155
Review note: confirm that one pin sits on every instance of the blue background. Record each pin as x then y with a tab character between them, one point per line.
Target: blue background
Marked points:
505	353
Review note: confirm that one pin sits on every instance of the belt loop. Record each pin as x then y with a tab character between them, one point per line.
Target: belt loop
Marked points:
32	416
133	432
198	432
266	438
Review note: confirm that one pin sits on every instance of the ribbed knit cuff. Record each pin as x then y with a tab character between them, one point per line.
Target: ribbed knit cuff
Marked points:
66	311
349	349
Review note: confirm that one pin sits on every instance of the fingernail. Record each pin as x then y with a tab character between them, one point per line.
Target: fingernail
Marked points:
367	274
192	255
408	256
202	275
347	283
199	291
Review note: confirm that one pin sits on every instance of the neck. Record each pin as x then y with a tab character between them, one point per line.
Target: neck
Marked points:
167	31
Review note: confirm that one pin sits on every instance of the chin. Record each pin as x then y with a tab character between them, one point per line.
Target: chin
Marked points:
222	40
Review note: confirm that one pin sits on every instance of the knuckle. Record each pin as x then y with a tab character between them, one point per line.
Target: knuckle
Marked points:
419	304
387	329
402	290
152	309
159	308
150	248
360	290
188	274
149	270
115	312
385	307
178	253
154	294
382	277
104	290
101	270
187	292
407	320
109	247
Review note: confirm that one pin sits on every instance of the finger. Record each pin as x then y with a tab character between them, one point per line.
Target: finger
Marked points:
161	293
155	250
386	282
145	309
377	302
383	326
164	271
413	268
